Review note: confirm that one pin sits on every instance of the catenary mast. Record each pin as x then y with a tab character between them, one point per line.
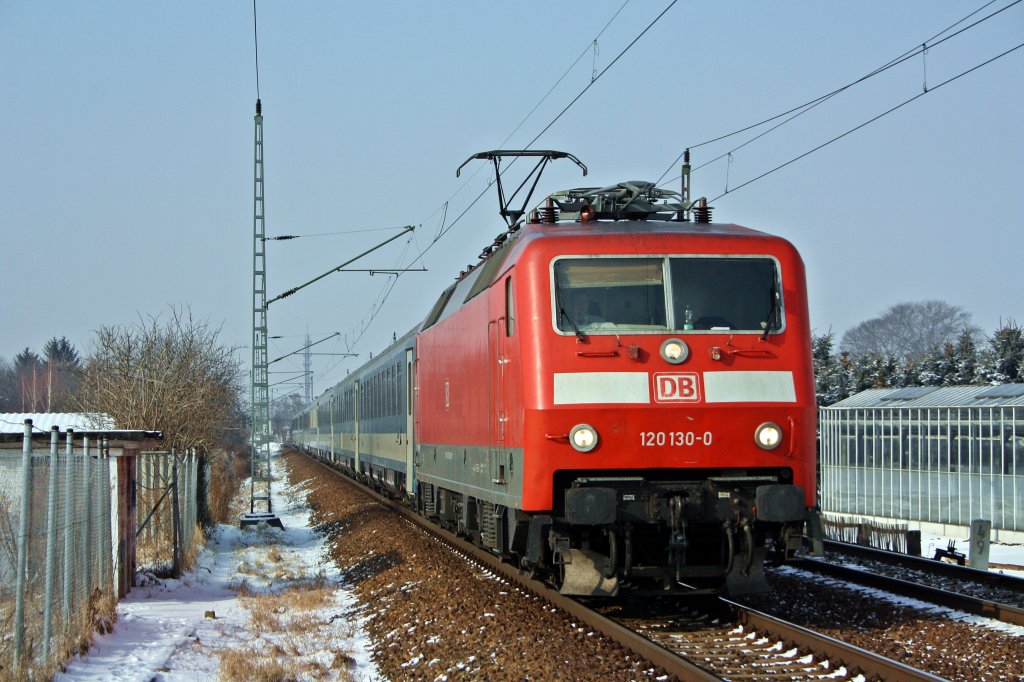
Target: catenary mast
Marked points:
259	505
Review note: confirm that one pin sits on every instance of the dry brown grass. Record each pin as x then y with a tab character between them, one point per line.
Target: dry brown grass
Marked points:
190	555
245	666
242	587
290	618
292	626
227	471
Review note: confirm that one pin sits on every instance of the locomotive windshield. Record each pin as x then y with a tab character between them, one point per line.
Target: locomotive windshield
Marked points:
674	293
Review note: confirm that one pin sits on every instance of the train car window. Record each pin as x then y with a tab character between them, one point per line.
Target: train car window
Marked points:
736	294
510	309
610	294
599	295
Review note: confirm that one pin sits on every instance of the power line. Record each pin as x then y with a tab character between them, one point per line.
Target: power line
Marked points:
256	45
872	120
807	106
587	49
603	71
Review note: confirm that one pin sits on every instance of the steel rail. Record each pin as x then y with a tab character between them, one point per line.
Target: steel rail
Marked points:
872	665
989	578
974	605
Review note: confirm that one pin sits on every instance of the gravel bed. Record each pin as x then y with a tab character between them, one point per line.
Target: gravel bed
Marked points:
939	581
434	616
927	639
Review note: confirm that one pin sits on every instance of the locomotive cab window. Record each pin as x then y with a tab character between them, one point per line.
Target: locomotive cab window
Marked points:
677	293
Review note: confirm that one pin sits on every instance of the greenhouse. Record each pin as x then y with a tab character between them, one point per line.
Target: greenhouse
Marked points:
927	455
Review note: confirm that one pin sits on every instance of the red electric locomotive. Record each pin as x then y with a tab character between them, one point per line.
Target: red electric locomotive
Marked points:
617	395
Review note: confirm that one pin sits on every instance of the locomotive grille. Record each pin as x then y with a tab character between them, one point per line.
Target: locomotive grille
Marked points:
427	495
488	524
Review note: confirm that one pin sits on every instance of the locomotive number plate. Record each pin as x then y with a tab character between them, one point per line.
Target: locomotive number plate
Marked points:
684	439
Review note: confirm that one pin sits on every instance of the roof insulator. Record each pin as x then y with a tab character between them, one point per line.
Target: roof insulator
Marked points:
549	213
702	212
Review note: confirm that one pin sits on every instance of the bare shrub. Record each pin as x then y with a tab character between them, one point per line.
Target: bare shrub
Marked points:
227	472
174	376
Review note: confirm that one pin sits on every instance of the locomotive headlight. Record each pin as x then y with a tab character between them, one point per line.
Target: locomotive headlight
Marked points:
768	436
674	351
583	437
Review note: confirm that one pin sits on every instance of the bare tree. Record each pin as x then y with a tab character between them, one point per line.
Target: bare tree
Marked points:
284	410
909	330
171	376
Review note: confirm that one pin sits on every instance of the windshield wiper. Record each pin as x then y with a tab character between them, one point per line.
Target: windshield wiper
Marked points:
580	336
772	295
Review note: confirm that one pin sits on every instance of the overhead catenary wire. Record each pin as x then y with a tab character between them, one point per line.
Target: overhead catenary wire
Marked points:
256	48
872	120
811	104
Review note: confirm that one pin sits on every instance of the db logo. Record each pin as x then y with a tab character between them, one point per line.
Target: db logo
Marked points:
676	387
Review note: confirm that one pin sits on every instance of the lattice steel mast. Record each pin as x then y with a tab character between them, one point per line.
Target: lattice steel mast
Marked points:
260	429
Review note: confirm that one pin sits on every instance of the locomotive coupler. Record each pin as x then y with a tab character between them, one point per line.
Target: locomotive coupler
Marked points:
728	527
748	545
677	542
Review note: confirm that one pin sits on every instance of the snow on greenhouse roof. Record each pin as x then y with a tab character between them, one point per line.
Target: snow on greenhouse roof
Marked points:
1008	395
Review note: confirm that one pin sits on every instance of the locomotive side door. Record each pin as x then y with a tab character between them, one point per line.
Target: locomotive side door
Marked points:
500	328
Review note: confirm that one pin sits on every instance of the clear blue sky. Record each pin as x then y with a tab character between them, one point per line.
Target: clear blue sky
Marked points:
126	135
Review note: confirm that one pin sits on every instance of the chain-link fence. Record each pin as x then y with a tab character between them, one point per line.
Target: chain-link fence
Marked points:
167	491
56	553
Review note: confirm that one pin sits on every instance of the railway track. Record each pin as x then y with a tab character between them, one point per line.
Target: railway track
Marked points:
981	593
705	638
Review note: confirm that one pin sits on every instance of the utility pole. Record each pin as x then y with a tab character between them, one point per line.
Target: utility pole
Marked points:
259	493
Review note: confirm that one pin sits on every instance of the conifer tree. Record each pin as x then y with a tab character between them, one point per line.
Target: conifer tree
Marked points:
1003	361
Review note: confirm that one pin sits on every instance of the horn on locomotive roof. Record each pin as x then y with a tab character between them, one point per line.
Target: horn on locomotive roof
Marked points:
544	157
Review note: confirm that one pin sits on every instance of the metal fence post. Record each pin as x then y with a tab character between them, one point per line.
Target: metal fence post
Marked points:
175	516
192	500
51	545
87	530
69	479
106	518
26	490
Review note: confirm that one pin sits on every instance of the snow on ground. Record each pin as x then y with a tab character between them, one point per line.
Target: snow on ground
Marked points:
1008	559
165	631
